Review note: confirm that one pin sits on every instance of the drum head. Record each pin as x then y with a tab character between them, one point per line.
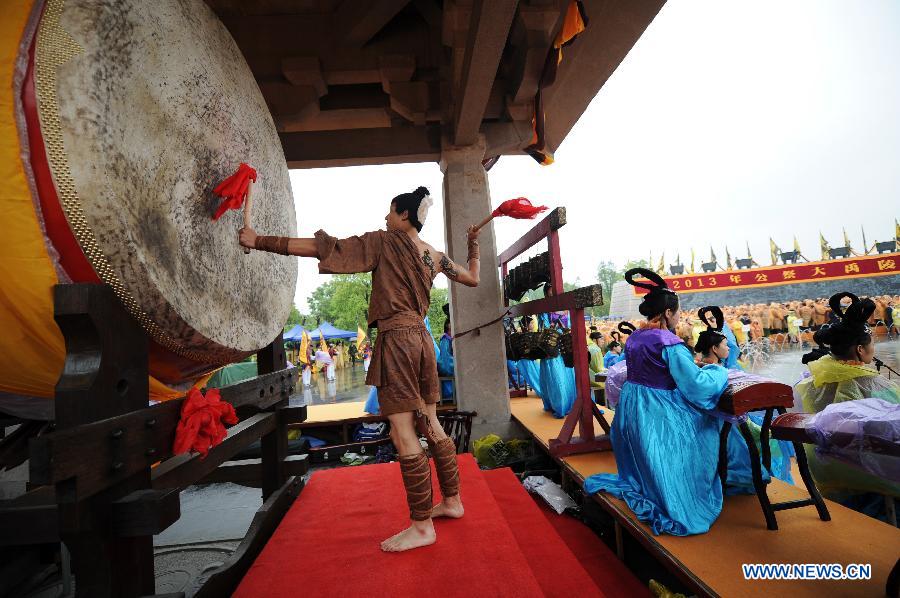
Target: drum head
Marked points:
145	107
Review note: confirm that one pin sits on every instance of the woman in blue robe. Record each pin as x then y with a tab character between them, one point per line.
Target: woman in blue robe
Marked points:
531	371
613	352
717	344
557	382
516	378
666	445
445	360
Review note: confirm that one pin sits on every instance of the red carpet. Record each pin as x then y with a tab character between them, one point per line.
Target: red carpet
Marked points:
329	543
597	559
556	568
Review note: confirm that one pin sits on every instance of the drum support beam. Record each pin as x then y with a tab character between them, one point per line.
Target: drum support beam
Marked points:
105	375
94	487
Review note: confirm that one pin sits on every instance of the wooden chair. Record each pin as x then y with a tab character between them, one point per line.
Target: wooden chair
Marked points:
458	426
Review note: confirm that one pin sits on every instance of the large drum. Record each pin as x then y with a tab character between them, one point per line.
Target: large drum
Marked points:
122	118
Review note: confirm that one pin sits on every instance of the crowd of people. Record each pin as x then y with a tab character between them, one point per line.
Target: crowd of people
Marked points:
328	357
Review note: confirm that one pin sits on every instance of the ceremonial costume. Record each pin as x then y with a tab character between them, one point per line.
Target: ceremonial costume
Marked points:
611	358
666	445
595	354
666	448
834	378
740	472
557	382
404	365
372	404
835	381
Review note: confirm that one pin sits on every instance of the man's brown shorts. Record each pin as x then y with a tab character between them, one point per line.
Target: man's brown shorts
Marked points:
408	370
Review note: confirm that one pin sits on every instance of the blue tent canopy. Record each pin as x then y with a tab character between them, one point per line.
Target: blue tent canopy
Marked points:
330	332
295	333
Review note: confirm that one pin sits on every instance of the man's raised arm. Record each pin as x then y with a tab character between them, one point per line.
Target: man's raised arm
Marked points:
283	245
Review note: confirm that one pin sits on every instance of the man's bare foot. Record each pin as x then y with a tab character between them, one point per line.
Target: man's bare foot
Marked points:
449	507
418	534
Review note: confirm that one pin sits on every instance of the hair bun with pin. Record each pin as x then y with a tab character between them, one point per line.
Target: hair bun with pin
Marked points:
659	296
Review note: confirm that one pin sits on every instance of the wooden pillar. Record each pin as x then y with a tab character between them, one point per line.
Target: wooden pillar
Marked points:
480	357
105	375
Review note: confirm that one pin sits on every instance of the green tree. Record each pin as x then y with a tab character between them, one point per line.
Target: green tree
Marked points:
343	300
608	275
436	315
294	318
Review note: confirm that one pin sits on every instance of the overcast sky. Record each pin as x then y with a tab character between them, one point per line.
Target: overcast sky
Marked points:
728	122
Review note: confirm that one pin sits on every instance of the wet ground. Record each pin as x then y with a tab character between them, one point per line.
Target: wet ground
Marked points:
786	366
348	386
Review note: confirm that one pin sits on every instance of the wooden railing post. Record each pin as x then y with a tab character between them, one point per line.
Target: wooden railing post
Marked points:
105	375
274	444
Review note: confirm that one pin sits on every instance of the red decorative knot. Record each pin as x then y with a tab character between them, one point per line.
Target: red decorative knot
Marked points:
202	424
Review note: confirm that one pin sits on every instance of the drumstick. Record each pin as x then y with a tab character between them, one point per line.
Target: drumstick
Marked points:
248	206
484	223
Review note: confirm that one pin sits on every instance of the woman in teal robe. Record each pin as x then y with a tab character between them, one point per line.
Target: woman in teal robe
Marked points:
665	442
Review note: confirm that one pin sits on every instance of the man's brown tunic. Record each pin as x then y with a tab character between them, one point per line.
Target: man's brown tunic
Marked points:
403	368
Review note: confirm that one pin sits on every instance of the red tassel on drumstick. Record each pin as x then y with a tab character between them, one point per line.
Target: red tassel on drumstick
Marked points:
519	208
234	191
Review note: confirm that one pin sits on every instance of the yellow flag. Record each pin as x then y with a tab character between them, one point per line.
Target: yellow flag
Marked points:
846	239
774	250
896	229
662	266
796	245
692	260
360	337
823	245
304	348
322	345
712	254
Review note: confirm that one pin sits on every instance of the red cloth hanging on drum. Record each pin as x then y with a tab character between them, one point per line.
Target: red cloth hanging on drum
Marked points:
519	208
233	190
202	424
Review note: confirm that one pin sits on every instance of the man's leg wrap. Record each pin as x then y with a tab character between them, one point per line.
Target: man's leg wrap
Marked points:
444	453
416	472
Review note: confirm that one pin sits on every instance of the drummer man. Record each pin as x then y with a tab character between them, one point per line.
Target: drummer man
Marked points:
403	368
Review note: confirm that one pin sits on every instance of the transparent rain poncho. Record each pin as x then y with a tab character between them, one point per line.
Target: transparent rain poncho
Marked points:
833	383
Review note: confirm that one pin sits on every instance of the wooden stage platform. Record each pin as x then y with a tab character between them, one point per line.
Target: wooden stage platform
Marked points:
710	564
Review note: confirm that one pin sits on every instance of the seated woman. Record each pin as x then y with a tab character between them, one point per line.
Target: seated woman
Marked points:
845	374
595	353
618	372
613	351
666	445
713	347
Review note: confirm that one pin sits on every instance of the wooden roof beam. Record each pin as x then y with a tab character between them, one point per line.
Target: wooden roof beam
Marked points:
362	19
317	149
488	29
531	38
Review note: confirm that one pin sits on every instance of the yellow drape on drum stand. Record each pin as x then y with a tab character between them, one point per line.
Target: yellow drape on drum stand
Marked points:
32	350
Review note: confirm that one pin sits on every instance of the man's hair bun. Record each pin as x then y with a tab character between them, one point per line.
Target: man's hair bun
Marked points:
421	192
